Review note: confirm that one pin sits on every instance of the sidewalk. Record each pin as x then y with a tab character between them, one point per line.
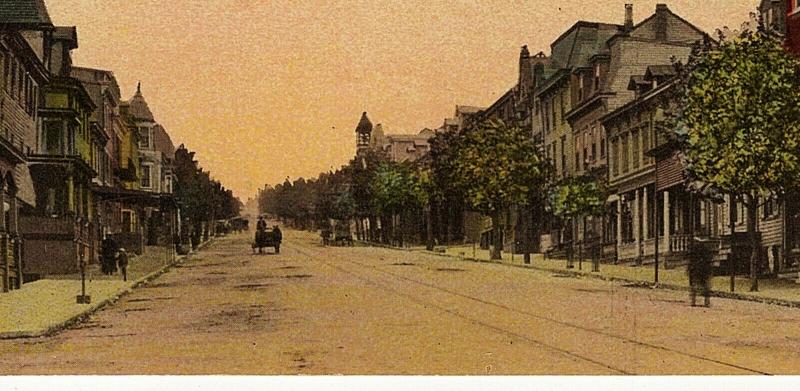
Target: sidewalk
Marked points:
771	290
45	306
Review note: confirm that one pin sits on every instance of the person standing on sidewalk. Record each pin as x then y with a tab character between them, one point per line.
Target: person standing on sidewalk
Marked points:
107	253
122	262
700	272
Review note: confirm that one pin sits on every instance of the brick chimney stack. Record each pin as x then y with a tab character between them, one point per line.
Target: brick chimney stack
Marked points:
661	22
628	18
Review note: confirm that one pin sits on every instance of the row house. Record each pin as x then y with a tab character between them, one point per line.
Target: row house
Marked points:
58	231
156	153
24	65
77	163
658	211
514	108
561	85
667	213
790	24
600	86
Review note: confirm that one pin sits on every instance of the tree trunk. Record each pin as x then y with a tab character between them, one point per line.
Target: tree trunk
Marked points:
373	226
402	226
429	228
732	256
752	213
448	224
386	230
358	228
527	237
497	235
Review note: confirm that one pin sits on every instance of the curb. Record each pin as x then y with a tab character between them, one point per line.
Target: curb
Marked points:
81	317
633	283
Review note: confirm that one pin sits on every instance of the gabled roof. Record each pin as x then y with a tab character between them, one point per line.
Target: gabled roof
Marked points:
636	81
28	13
659	71
138	107
583	40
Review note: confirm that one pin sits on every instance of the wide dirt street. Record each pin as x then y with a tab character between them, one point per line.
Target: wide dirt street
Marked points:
315	310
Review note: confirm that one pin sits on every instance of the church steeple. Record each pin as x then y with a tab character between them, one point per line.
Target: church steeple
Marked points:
363	133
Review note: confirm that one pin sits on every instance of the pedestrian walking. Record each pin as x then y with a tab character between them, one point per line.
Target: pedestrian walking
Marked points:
122	262
700	272
278	236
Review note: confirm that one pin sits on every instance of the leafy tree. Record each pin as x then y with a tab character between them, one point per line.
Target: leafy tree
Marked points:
739	103
496	166
578	197
396	190
446	198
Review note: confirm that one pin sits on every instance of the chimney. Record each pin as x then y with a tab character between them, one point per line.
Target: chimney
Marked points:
628	17
661	22
524	65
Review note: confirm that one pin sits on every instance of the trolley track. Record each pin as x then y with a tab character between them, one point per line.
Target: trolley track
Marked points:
319	257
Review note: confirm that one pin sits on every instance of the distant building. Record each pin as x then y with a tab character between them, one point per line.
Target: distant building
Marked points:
774	13
156	153
397	147
364	140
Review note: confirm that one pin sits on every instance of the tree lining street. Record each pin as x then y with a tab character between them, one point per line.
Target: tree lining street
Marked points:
359	310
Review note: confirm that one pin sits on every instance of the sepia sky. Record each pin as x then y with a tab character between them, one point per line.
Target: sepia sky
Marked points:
265	89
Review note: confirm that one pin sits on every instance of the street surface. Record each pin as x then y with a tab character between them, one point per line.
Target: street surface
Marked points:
316	310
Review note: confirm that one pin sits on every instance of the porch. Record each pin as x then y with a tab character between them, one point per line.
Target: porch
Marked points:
56	245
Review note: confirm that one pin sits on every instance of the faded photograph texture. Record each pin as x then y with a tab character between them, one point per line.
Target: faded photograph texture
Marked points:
247	187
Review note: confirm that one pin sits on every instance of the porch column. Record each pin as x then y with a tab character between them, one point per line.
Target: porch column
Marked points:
665	223
4	241
645	215
14	217
71	194
636	222
619	223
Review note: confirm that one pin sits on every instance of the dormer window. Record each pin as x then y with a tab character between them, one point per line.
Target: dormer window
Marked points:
596	77
580	88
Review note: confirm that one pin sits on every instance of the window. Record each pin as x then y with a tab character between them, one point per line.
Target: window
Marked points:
770	207
602	147
635	149
555	153
563	108
144	137
553	109
624	153
4	60
580	88
597	77
646	144
50	208
128	221
147	176
614	157
20	84
12	91
563	156
53	138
